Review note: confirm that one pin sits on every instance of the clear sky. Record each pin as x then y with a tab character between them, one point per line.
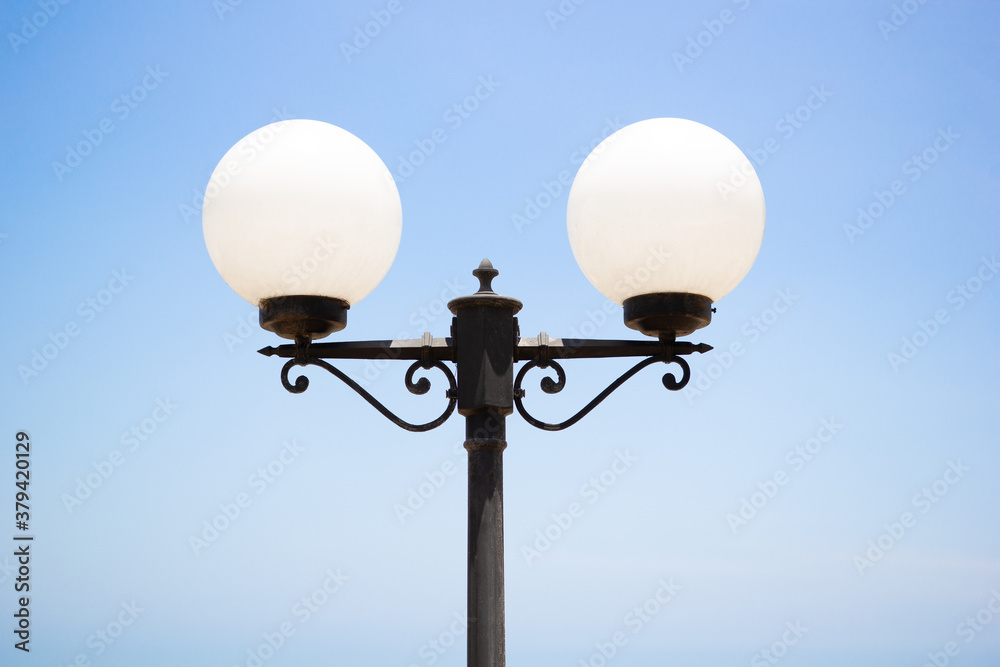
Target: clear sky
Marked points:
827	496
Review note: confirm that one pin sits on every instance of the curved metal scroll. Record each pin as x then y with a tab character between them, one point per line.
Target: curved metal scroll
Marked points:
420	387
550	386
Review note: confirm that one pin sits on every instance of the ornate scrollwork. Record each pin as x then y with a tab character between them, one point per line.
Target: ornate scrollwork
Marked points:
301	382
672	383
550	386
420	387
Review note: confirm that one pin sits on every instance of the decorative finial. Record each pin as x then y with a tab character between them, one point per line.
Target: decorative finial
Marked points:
486	273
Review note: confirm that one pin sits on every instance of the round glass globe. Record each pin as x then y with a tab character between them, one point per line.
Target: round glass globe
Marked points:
665	205
302	207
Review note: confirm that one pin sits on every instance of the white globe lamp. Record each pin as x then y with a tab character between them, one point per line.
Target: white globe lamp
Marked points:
302	219
665	217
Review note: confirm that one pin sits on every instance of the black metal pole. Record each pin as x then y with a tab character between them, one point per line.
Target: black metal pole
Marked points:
484	332
485	443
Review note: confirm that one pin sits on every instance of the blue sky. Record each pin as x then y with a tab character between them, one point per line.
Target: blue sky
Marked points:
865	338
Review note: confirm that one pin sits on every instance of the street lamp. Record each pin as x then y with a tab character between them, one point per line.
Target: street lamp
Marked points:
303	220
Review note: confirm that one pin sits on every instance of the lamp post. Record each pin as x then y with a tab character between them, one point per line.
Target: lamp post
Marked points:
303	220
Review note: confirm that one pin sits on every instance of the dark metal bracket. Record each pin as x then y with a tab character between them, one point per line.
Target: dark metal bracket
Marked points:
303	356
428	352
671	352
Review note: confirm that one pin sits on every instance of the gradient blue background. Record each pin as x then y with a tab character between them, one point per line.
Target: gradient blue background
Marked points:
178	332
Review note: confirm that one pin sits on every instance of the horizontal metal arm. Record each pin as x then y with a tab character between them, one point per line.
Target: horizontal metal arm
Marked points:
527	349
439	349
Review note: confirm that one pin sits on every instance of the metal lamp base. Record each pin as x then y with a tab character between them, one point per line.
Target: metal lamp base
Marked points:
668	313
303	316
